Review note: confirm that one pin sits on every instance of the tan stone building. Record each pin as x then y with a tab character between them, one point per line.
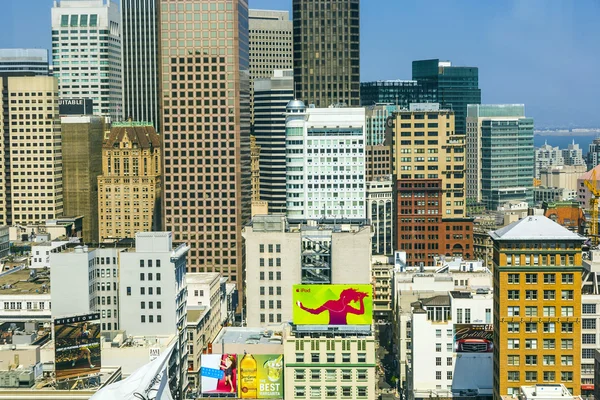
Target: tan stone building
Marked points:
31	187
82	138
129	187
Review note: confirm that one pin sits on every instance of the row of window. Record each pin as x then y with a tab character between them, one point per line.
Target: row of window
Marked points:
330	374
151	319
548	295
546	359
270	247
548	311
330	392
142	275
330	357
143	290
548	344
547	376
270	261
536	259
149	263
549	278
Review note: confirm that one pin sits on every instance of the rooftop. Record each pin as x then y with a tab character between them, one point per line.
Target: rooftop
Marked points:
202	277
536	227
195	314
238	335
553	391
19	281
139	134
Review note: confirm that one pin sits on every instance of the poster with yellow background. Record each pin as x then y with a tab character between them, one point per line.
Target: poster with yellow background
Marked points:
260	376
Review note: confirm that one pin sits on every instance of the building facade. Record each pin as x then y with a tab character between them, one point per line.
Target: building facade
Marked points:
456	87
537	305
271	96
380	211
31	185
593	155
140	61
279	256
24	61
500	161
82	138
270	43
325	165
86	53
129	189
397	92
207	185
327	51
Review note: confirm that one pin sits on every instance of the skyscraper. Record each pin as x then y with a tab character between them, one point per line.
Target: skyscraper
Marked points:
270	35
455	86
86	53
31	187
140	61
82	138
537	305
271	96
130	184
24	61
397	92
500	164
205	114
327	51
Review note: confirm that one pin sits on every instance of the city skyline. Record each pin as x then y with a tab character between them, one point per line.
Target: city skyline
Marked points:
553	42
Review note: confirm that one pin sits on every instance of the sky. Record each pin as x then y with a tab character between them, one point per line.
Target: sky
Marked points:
542	53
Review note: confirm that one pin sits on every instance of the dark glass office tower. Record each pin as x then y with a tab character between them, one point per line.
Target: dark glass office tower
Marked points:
397	92
140	61
327	51
456	86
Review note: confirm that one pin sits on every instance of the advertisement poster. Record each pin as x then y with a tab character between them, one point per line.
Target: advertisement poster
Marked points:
261	376
77	345
333	304
473	338
218	373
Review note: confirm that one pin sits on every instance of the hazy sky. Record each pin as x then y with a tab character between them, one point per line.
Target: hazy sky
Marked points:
543	53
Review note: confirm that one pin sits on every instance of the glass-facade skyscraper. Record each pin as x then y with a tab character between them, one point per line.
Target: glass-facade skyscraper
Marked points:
456	87
327	51
397	92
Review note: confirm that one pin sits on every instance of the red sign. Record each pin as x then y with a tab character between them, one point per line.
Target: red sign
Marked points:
587	387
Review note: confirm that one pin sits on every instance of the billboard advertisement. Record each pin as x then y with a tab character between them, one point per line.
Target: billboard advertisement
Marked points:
219	373
473	338
75	106
333	304
77	345
261	376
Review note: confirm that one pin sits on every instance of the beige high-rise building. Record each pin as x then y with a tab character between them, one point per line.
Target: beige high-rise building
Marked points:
31	187
82	138
206	122
130	185
270	35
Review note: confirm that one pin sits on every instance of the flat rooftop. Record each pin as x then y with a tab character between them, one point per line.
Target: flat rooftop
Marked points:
239	335
202	277
196	314
18	281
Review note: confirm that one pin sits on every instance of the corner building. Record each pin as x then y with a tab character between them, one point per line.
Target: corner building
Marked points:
537	306
205	118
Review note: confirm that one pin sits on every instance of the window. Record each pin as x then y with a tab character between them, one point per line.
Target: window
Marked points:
346	357
346	375
438	333
531	311
549	295
549	344
513	278
588	309
513	311
449	375
314	357
315	374
530	327
158	276
449	361
566	360
300	391
513	360
331	391
549	327
531	344
549	376
588	338
361	391
513	376
438	375
261	248
128	290
438	347
531	376
361	374
330	357
588	323
299	374
459	318
567	295
549	360
362	357
315	392
549	311
299	357
513	327
531	278
566	327
513	295
567	278
588	354
346	391
143	318
566	376
549	278
530	360
142	276
449	347
531	295
566	344
513	343
566	311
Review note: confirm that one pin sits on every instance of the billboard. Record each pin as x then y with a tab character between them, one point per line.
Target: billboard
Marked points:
333	304
77	345
75	106
218	373
473	338
261	376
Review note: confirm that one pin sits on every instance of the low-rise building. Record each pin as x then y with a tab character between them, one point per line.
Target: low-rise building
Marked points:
197	324
544	392
25	295
382	292
380	209
566	213
204	290
65	227
542	194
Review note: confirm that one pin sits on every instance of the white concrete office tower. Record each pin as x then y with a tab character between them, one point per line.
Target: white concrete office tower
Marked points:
152	289
270	45
86	53
31	185
28	61
547	156
140	61
279	255
271	96
325	163
380	209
